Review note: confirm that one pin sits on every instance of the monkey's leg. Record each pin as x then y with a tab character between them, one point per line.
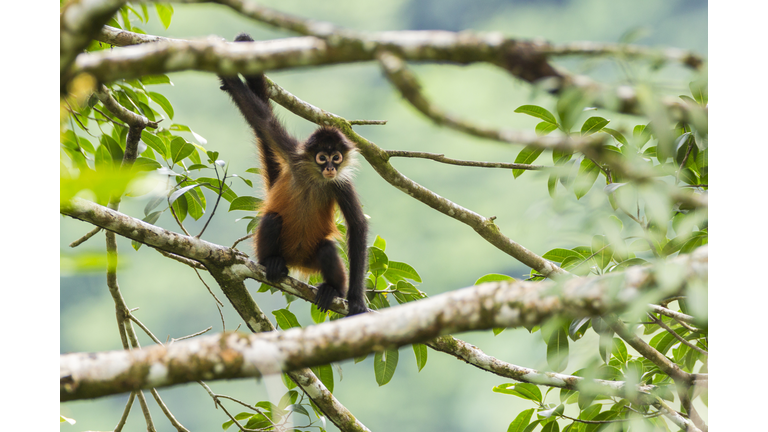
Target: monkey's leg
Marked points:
332	269
268	246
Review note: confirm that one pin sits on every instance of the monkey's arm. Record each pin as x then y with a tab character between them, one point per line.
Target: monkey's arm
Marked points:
258	114
357	232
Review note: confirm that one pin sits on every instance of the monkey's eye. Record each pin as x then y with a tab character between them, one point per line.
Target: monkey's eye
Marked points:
321	158
336	158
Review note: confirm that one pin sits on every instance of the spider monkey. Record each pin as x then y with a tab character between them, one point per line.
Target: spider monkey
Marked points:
304	182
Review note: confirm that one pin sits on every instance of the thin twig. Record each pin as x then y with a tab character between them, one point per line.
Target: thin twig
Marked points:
192	263
241	239
209	288
691	143
146	330
179	427
669	330
368	122
443	159
678	316
126	411
219	404
85	238
218	197
192	335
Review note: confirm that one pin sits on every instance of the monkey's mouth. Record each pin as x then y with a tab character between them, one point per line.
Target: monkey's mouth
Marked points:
329	174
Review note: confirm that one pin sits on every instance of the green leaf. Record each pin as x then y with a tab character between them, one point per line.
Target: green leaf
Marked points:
527	155
559	255
590	412
384	365
317	316
699	91
407	288
521	421
557	350
532	426
544	128
145	164
114	148
163	102
616	135
629	263
164	11
397	271
285	319
602	250
325	373
593	125
180	149
569	106
555	411
493	277
378	263
213	184
619	350
184	128
155	79
552	185
380	243
551	427
603	416
247	203
195	205
155	142
585	178
641	135
664	341
578	327
538	112
523	390
174	196
420	350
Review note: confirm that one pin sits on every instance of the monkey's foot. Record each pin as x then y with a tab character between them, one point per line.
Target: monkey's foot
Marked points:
325	295
357	307
276	268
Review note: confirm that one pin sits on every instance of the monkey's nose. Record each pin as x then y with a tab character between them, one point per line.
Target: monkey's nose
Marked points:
329	173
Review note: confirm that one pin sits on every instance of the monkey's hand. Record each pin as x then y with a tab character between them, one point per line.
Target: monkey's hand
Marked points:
325	294
276	268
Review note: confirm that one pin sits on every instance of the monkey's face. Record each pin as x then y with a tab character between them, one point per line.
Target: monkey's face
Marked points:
329	163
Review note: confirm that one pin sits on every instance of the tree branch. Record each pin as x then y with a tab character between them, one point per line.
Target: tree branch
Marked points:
500	304
329	44
238	266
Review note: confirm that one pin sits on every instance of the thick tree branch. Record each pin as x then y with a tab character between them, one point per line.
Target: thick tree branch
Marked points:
490	305
523	59
240	267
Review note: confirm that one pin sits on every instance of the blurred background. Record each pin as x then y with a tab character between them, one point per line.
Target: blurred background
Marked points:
447	394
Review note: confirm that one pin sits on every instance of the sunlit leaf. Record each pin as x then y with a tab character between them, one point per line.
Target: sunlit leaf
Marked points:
420	350
493	277
538	112
384	365
527	155
244	202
